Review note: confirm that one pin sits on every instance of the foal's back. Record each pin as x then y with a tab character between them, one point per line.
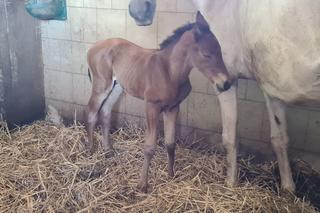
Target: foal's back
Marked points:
141	72
115	52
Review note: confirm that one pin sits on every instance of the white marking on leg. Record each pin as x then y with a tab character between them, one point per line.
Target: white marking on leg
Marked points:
112	99
106	113
92	116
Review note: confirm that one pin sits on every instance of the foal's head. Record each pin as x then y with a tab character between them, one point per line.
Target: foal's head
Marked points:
205	55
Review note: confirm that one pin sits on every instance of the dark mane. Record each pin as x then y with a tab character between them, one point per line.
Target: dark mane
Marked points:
177	33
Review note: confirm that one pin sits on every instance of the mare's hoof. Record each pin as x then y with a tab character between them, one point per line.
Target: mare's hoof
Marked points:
142	188
289	188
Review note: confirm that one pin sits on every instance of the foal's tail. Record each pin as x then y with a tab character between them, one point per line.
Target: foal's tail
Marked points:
89	75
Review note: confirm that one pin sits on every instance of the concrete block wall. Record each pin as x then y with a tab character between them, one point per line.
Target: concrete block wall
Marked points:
67	87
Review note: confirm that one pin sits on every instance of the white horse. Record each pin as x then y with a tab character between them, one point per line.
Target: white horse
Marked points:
276	43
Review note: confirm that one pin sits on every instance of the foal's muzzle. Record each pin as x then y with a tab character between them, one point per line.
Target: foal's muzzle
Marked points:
224	87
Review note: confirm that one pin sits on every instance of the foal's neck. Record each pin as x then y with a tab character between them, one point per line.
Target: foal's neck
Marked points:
178	59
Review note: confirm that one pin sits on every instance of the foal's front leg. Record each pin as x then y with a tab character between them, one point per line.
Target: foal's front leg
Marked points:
152	112
169	118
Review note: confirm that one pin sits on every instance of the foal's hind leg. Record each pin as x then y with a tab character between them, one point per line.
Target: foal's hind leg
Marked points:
100	91
152	112
169	118
105	113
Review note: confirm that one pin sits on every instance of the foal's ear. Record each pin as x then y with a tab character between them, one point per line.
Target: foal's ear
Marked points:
201	26
200	20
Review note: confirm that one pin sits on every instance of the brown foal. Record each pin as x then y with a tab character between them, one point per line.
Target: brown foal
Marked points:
159	77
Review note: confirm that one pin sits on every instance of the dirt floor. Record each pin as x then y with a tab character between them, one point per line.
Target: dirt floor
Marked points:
45	168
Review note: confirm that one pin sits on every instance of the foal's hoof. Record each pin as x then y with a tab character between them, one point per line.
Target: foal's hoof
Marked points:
142	188
88	151
87	145
171	174
110	153
92	151
231	183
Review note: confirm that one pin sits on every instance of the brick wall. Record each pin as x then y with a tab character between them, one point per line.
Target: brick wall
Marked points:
67	87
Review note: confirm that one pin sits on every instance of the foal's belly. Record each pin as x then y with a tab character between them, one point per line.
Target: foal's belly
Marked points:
175	96
131	84
166	97
158	95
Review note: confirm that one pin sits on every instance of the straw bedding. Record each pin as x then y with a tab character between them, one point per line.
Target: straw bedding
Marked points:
45	168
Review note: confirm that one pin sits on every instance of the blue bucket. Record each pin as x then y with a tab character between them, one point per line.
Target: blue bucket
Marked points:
47	9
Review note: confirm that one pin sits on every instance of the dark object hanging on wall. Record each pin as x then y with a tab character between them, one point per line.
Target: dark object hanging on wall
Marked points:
47	9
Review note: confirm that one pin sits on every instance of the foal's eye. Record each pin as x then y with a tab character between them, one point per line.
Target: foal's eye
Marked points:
206	55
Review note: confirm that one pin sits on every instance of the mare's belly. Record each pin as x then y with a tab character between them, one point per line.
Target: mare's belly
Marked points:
282	52
306	93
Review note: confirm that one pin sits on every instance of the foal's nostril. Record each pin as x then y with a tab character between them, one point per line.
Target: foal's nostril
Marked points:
226	85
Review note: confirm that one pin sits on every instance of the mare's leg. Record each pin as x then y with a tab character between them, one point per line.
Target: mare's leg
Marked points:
152	112
100	91
280	139
228	106
169	118
105	114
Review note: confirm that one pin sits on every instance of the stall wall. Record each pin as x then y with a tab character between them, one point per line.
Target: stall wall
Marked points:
21	68
68	88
